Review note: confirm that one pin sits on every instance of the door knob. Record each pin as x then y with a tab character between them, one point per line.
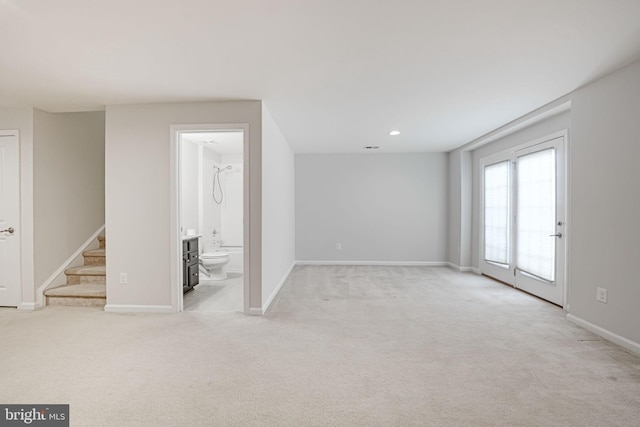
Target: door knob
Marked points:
9	230
558	235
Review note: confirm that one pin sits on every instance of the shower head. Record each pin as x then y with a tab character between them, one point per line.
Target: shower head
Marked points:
223	169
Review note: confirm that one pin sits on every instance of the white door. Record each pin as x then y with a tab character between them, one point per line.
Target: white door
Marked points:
10	285
539	220
497	218
522	216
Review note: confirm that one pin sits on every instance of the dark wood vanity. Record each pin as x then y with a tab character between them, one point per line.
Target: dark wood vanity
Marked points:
190	265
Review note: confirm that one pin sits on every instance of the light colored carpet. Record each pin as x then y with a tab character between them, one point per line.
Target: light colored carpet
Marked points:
342	346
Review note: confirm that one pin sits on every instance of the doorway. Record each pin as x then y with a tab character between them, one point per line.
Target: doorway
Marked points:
10	283
211	208
522	218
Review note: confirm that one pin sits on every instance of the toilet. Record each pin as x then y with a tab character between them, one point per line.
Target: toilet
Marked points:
214	263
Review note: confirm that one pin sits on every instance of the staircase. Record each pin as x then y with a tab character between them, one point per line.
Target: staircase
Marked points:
86	285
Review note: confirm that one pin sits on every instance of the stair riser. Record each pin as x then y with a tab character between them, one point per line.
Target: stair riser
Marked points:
76	302
92	273
94	260
76	280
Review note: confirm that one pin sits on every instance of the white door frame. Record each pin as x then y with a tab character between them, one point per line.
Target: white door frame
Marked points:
17	222
174	198
566	235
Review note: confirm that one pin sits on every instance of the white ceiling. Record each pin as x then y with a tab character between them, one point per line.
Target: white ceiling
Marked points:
335	75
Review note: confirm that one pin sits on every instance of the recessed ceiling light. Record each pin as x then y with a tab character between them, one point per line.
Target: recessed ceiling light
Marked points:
394	132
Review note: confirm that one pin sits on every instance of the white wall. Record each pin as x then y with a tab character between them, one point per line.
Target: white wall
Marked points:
455	207
138	198
211	212
460	184
278	210
225	218
190	187
68	185
380	207
231	207
466	209
605	202
21	119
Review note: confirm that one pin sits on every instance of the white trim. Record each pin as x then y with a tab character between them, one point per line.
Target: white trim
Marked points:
126	308
69	262
567	216
604	333
475	270
453	266
553	108
254	311
266	305
175	266
31	306
177	302
389	263
20	236
460	269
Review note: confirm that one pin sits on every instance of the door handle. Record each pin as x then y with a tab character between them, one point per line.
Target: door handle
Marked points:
558	235
9	230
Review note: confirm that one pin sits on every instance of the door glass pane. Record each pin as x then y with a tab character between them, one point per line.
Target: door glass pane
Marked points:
496	213
536	214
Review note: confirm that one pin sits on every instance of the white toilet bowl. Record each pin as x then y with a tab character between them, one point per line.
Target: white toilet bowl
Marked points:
214	263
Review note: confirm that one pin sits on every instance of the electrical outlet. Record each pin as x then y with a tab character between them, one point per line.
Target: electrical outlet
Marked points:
123	278
601	295
339	246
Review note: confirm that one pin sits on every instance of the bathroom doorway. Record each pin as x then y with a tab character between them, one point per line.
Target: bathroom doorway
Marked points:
211	171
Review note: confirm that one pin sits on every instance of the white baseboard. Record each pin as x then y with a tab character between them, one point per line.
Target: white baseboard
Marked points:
126	308
266	305
375	263
57	278
255	312
29	306
475	270
460	269
454	266
604	333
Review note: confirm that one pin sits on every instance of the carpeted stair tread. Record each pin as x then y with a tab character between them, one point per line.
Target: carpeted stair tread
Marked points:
86	284
95	252
87	290
87	270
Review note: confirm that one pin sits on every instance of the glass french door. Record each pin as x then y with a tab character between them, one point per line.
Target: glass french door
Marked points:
522	219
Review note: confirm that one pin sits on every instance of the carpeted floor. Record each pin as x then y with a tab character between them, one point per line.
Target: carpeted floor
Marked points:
342	346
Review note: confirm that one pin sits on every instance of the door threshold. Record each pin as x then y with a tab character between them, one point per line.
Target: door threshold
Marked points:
523	291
